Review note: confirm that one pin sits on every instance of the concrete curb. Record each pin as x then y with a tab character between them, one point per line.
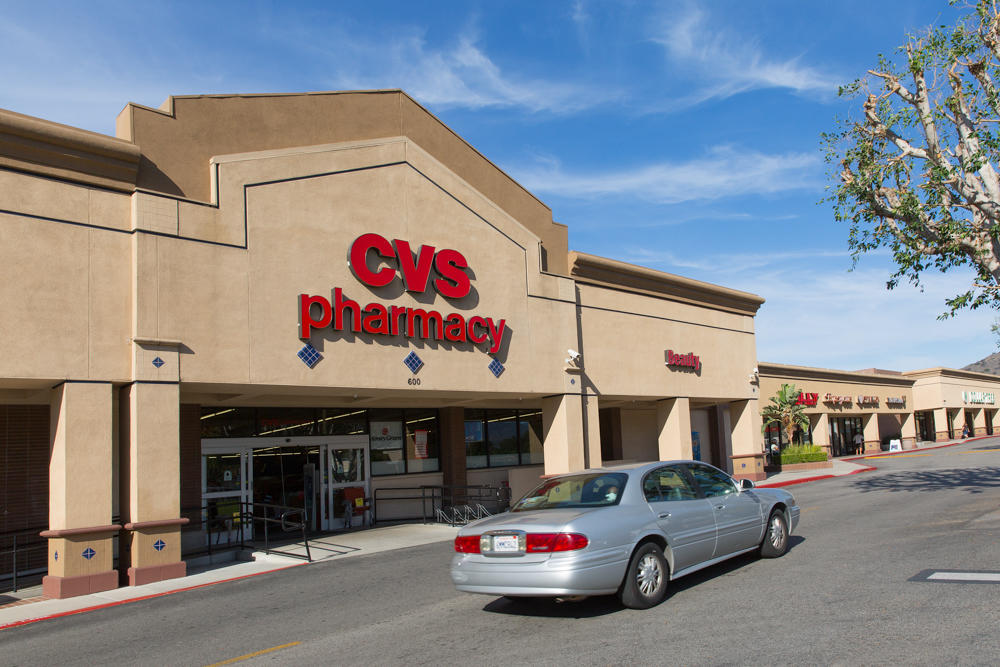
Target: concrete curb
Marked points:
803	480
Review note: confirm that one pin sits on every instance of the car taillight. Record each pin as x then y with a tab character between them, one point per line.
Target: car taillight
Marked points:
547	542
467	544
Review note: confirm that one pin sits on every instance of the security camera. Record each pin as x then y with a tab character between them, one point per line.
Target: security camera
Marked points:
573	354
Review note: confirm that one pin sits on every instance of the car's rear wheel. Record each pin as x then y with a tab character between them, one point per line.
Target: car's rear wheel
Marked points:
646	580
776	536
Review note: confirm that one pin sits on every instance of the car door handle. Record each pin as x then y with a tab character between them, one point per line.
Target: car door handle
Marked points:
664	515
719	507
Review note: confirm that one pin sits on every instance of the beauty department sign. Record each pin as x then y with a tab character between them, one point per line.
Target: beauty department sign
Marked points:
450	281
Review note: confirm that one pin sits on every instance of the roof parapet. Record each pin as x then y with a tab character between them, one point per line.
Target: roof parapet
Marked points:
51	149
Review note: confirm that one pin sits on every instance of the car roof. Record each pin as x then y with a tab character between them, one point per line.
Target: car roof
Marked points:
628	467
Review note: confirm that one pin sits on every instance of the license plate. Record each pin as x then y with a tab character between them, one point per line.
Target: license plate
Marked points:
505	544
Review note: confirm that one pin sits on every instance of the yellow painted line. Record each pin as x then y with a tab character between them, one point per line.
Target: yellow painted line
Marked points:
253	655
896	456
980	451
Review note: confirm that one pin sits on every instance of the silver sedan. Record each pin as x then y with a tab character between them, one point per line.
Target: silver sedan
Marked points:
626	530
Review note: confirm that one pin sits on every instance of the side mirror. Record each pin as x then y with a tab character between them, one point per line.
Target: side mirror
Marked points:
747	484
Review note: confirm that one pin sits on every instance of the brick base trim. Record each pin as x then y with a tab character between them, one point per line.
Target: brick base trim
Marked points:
137	576
84	584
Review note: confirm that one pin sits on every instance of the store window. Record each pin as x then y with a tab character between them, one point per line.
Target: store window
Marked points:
503	438
422	441
220	422
775	435
404	441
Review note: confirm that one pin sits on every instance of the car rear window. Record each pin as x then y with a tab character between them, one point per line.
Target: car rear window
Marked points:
584	490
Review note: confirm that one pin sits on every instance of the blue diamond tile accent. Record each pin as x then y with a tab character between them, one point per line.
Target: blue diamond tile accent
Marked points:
309	355
158	362
159	545
89	553
413	362
56	556
496	368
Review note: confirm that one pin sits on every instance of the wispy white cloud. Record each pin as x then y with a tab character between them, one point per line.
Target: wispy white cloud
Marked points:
461	74
727	62
724	171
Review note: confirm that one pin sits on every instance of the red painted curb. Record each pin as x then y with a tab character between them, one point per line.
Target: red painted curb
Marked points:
803	480
144	597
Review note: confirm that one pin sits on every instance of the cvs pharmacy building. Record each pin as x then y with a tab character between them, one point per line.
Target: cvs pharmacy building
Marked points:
287	299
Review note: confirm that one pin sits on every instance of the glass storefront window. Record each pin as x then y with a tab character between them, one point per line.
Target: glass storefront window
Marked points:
219	422
287	422
475	440
502	438
342	421
501	434
422	441
222	473
531	437
386	444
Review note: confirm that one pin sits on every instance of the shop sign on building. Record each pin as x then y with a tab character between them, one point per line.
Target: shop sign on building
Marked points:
689	360
895	401
868	400
809	400
396	261
978	397
837	400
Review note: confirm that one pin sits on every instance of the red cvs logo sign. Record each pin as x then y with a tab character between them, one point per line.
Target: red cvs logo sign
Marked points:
375	262
453	282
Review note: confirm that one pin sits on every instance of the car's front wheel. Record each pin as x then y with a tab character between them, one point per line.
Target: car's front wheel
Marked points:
775	536
646	580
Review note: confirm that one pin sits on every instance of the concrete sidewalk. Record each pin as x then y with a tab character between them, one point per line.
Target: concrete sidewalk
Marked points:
28	606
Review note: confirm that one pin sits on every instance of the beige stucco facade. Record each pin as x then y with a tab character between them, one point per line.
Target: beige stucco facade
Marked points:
158	279
951	399
925	405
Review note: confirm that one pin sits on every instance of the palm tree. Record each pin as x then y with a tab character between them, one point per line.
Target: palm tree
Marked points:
786	411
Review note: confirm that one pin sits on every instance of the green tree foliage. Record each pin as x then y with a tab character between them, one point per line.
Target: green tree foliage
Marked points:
917	173
785	410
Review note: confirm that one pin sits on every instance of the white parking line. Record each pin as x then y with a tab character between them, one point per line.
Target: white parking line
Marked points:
965	576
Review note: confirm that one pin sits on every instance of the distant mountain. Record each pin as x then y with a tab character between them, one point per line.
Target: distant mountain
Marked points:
990	364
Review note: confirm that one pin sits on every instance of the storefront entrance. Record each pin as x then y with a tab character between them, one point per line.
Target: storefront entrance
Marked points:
308	473
842	432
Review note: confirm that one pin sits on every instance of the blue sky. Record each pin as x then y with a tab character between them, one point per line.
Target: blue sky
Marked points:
683	136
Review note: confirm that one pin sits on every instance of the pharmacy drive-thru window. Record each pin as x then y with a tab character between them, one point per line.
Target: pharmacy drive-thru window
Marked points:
325	302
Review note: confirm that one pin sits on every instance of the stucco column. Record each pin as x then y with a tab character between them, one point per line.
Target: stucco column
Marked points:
748	448
908	429
979	422
996	421
562	423
941	422
80	534
873	442
673	426
150	470
820	424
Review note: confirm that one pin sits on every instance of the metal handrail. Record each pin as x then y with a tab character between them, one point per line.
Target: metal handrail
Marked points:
282	516
33	543
432	498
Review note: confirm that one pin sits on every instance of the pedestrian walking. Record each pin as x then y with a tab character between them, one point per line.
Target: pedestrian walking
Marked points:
859	443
